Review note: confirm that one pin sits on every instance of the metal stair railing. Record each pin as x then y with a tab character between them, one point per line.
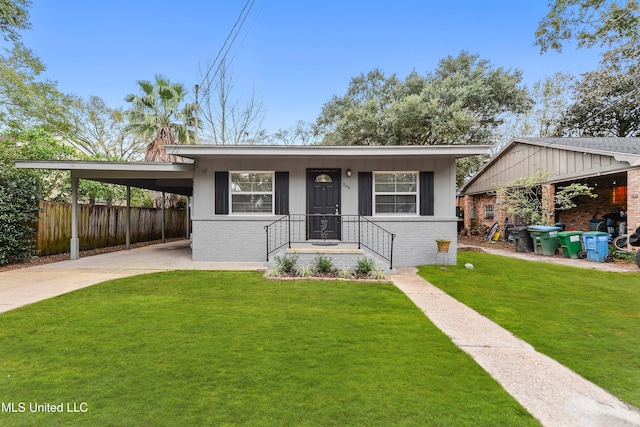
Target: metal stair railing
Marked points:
293	228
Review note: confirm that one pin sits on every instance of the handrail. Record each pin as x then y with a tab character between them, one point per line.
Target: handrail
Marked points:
294	228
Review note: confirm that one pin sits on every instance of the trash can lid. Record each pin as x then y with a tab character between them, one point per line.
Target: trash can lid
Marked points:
595	233
543	228
569	233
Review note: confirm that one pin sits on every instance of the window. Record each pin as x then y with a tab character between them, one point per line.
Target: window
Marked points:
251	192
395	192
488	212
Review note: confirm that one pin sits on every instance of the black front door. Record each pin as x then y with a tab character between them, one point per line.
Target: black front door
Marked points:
323	204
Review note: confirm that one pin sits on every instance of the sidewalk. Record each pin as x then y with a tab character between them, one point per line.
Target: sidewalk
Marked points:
552	393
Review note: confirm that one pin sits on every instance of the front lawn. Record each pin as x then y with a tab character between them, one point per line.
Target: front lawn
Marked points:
585	319
230	348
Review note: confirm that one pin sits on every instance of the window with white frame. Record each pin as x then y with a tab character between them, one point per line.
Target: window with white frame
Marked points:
395	192
251	192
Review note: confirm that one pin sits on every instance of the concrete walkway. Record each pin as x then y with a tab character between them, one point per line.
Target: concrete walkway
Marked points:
552	393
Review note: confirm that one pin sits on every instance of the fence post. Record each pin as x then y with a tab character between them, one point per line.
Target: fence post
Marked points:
359	232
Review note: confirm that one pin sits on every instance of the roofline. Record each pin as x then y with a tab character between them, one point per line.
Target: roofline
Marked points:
632	159
78	165
451	151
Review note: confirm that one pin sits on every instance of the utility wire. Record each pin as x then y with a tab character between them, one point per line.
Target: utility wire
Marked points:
231	37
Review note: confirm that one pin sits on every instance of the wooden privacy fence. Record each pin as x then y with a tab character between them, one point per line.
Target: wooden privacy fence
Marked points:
101	226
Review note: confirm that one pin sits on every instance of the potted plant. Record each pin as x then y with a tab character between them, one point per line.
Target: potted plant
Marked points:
443	245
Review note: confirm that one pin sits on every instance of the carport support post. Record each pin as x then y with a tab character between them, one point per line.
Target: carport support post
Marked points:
75	242
128	219
163	218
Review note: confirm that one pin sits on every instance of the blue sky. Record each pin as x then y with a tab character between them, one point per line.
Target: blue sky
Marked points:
294	55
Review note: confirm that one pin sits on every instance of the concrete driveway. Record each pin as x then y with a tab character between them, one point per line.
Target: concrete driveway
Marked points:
28	285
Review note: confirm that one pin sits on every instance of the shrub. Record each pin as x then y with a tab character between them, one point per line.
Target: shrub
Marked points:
19	197
305	271
365	266
346	273
323	264
287	263
377	274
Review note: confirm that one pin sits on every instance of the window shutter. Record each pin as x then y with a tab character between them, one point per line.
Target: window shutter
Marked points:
426	193
282	193
222	193
365	193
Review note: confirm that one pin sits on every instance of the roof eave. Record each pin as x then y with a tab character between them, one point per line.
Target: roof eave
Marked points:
450	151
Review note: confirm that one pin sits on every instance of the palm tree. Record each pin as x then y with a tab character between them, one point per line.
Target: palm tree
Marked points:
156	115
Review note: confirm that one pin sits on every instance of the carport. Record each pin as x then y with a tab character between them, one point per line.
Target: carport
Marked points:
176	178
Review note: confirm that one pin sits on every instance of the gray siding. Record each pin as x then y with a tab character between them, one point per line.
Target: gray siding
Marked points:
242	237
524	159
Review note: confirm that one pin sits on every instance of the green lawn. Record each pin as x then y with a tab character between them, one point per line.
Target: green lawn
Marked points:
585	319
231	348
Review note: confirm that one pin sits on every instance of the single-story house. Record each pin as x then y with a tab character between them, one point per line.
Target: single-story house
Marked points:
611	166
253	202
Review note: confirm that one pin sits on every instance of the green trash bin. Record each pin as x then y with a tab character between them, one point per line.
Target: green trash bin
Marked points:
545	239
571	243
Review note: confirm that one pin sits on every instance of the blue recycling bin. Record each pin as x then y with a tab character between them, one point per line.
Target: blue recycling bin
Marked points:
596	244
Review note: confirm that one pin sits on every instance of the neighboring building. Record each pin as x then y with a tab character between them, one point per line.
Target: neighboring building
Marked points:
611	166
250	202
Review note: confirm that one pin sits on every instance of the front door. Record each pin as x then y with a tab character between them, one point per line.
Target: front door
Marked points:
323	204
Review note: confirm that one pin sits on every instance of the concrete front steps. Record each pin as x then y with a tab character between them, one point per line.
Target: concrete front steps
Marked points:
341	254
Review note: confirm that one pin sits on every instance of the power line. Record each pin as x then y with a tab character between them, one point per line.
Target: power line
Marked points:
231	37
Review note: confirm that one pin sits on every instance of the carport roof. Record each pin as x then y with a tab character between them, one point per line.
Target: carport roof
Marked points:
174	178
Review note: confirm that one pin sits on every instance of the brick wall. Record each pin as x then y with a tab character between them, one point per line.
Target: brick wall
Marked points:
244	239
633	200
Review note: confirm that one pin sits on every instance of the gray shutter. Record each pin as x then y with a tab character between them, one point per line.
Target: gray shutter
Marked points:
282	193
426	193
365	193
222	193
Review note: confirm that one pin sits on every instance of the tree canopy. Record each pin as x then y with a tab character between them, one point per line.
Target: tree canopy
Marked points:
102	131
589	22
14	17
159	115
461	102
607	100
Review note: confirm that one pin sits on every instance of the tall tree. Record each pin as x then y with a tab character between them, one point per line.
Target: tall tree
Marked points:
14	17
225	119
160	115
551	98
27	100
607	100
302	133
589	22
463	101
102	131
